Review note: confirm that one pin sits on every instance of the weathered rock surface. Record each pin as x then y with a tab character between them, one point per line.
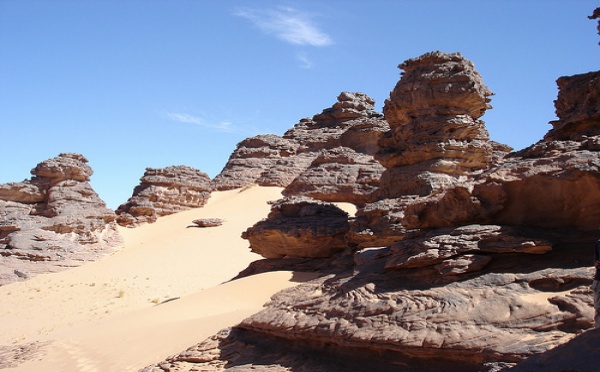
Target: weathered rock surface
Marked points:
339	175
550	184
299	227
433	153
270	160
581	354
208	222
164	191
257	155
577	107
53	221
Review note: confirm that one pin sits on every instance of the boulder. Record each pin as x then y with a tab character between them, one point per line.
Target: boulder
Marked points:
299	227
208	222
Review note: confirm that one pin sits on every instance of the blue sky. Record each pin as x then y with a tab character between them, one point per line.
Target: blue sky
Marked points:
134	84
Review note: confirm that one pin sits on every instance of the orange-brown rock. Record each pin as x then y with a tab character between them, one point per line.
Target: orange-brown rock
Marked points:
53	221
435	135
164	191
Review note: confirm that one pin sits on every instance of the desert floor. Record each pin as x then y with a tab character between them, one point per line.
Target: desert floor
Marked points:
167	289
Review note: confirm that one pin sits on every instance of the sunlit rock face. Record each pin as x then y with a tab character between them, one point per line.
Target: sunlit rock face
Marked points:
164	191
53	221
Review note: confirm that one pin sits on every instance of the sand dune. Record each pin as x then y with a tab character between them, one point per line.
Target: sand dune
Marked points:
109	315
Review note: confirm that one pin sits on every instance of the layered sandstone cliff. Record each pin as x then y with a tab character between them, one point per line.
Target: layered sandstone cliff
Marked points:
53	221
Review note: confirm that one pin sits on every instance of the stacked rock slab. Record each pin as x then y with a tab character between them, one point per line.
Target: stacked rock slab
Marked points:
270	160
339	175
164	191
436	147
53	221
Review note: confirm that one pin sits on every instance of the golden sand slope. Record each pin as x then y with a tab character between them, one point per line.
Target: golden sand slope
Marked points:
106	315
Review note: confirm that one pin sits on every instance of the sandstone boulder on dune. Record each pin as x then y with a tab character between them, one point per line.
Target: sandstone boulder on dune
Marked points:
299	227
53	221
164	191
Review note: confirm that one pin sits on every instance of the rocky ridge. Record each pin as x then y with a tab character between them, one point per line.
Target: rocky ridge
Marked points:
345	134
469	256
53	221
164	191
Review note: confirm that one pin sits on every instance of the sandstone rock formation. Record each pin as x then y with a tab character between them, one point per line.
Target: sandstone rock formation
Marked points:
164	191
257	155
435	149
293	227
53	221
270	160
339	175
469	258
208	222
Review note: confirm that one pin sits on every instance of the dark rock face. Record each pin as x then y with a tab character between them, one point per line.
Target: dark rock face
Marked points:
164	191
299	227
270	160
53	221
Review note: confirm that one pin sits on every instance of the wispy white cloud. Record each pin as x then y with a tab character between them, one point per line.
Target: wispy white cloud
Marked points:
305	62
221	126
288	24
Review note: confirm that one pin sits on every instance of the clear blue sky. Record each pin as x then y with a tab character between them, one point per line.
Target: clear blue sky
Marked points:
135	84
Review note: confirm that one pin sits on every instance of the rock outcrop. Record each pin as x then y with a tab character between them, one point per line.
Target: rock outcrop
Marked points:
436	148
267	160
271	160
53	221
164	191
469	258
339	175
